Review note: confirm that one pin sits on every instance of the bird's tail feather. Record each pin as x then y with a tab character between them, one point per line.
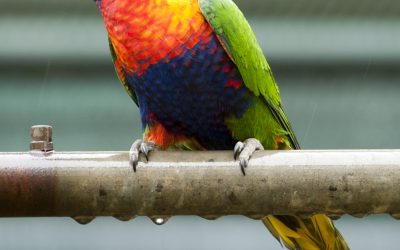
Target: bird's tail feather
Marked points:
315	233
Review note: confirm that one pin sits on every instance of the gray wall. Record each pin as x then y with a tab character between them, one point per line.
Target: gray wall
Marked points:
336	62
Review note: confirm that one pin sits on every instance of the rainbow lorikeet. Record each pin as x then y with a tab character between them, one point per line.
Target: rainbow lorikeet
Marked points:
201	81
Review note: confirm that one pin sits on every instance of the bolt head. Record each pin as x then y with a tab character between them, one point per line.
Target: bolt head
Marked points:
42	138
42	133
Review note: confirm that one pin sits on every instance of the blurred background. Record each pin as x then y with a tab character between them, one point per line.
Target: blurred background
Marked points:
337	64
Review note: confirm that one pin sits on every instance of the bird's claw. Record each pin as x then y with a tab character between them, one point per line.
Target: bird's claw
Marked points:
138	147
238	148
244	151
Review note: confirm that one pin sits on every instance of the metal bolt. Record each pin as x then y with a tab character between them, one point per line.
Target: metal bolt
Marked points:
42	138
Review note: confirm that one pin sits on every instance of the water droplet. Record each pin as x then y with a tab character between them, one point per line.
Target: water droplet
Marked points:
124	217
256	216
358	215
334	216
210	217
83	220
396	216
160	220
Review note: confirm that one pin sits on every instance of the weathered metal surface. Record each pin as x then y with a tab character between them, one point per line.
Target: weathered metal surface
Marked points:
88	184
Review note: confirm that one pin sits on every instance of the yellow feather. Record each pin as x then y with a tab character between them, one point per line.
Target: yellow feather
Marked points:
315	233
281	228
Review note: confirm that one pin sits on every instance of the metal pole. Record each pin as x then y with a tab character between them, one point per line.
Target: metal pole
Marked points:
84	185
200	183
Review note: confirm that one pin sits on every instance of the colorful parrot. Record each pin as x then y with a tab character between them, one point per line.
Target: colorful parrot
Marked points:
201	81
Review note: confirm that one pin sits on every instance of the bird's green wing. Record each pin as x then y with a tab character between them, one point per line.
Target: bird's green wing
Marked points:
238	39
121	73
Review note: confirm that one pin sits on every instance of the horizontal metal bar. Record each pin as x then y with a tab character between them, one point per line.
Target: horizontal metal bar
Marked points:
206	183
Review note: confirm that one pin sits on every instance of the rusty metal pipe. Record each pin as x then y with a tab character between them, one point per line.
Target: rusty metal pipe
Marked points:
209	184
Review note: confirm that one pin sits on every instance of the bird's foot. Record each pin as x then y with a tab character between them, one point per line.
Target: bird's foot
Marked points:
138	147
244	151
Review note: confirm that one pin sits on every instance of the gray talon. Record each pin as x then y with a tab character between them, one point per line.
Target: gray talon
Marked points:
238	148
243	162
244	150
145	148
139	146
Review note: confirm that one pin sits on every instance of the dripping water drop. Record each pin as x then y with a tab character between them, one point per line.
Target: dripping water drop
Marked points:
159	220
83	220
256	216
124	217
396	216
210	217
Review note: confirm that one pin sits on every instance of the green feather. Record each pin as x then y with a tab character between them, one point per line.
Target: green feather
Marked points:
264	123
238	39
